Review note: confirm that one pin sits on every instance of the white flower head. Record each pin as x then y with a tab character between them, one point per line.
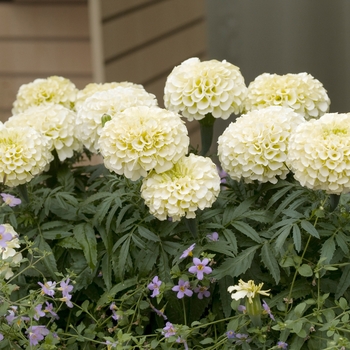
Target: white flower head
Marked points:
142	139
247	290
301	92
10	250
197	88
54	121
24	153
193	183
92	88
54	89
255	146
319	153
110	102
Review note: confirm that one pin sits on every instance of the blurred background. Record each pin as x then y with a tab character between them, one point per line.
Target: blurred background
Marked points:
142	40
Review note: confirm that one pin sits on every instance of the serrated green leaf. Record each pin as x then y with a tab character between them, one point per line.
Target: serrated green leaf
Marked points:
328	249
106	266
123	255
279	194
305	270
247	230
283	234
69	243
344	282
85	235
56	234
297	237
49	260
341	240
288	200
146	233
225	297
269	260
219	247
231	239
308	227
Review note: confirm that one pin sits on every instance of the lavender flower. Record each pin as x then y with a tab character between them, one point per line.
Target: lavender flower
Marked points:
48	288
183	288
169	330
36	334
66	299
38	312
66	288
50	310
188	251
242	338
10	200
183	341
154	286
11	316
282	345
230	334
1	337
242	308
214	237
267	310
111	345
113	308
202	292
159	312
4	237
200	267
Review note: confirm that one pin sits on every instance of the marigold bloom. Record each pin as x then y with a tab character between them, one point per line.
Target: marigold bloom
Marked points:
193	183
54	89
301	92
110	102
255	146
247	289
199	268
24	153
319	153
197	88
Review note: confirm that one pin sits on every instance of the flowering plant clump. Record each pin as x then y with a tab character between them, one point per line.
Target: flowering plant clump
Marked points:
55	89
109	102
197	88
159	247
301	92
255	146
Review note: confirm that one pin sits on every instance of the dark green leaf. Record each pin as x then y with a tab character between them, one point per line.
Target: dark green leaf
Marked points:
282	236
296	237
308	227
146	233
49	260
341	239
85	235
246	230
344	282
122	259
269	260
231	239
328	249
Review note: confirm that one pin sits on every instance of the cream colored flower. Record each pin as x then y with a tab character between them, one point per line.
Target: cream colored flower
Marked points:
10	251
111	102
247	290
196	88
142	139
91	88
319	153
193	183
24	153
301	92
54	89
54	121
255	146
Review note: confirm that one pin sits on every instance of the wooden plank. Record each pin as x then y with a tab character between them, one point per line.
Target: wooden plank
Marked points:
111	8
134	29
56	20
45	57
143	65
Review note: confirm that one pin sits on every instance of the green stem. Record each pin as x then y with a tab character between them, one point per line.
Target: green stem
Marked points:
184	308
207	132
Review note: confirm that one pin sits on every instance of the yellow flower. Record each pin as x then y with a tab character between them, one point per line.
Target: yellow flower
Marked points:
196	88
247	289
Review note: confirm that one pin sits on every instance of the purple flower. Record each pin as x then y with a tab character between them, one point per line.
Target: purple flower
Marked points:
49	310
66	288
202	292
282	345
214	237
242	338
111	345
230	334
48	288
188	251
113	308
200	267
67	299
222	174
4	237
169	330
38	312
242	308
154	285
183	341
36	334
182	288
159	312
10	200
267	310
11	316
1	337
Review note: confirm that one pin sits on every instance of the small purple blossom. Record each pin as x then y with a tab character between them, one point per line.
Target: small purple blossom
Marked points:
1	337
36	334
38	312
110	344
154	286
214	237
159	312
10	200
4	237
223	175
113	308
11	316
267	310
66	288
230	334
183	288
48	288
202	292
169	330
183	341
188	251
242	308
282	345
200	267
49	310
242	338
66	299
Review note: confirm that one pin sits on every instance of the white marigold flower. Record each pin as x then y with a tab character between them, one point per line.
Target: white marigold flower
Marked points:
193	183
301	92
24	153
92	88
196	88
54	121
9	250
142	139
255	146
319	153
57	90
110	102
247	290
